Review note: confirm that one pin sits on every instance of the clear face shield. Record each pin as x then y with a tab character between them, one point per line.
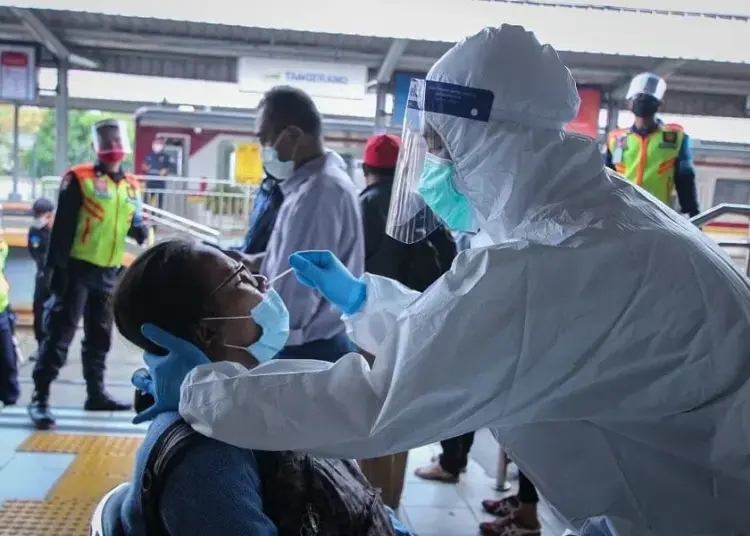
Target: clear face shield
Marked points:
110	140
647	84
424	187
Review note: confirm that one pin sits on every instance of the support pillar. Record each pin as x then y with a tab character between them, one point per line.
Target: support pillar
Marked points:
61	118
613	114
380	114
501	480
14	195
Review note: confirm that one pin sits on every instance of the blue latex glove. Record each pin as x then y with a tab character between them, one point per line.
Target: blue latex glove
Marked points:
166	372
323	271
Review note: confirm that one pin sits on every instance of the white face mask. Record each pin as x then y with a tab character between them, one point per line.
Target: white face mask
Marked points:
275	167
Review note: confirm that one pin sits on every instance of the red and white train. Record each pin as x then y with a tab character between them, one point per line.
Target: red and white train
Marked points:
203	144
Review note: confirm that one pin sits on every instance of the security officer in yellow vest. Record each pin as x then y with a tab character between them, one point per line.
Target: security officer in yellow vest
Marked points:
9	387
655	156
98	206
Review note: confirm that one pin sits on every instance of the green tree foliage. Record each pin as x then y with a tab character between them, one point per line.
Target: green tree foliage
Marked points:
42	156
29	121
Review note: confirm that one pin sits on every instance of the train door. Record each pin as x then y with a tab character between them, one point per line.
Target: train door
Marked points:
177	147
176	150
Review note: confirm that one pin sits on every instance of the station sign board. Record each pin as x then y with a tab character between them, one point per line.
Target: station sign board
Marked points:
586	122
18	72
318	79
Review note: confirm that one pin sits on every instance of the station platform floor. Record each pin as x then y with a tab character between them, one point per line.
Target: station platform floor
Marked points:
51	481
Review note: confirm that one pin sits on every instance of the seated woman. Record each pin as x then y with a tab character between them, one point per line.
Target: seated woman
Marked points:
207	296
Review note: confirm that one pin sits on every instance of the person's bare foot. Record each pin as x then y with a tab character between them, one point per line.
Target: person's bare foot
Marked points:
436	473
436	459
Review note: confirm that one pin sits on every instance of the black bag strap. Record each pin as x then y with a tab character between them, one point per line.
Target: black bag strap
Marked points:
167	453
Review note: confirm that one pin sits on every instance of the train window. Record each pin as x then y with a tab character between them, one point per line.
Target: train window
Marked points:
732	191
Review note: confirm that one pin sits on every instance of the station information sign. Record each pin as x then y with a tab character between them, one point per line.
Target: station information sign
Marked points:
18	72
318	79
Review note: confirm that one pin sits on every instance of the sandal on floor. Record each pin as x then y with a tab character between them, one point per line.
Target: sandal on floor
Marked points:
502	507
435	473
436	459
508	526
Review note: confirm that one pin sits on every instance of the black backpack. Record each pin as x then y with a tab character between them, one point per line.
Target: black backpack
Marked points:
302	494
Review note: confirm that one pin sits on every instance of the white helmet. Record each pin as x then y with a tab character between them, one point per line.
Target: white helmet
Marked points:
647	84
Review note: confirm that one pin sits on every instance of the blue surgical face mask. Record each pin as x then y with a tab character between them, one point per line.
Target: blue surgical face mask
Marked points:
437	189
273	318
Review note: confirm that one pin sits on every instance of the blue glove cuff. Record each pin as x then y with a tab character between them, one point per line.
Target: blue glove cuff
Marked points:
356	300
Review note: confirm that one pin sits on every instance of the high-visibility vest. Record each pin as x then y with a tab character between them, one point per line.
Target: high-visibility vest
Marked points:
648	161
105	217
4	284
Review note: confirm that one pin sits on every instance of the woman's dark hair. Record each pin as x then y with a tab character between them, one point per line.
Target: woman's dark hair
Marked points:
163	287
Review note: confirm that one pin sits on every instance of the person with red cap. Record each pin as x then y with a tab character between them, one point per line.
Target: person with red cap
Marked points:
415	265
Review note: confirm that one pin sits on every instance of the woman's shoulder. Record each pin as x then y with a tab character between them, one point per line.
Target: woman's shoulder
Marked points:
213	488
206	464
205	445
204	454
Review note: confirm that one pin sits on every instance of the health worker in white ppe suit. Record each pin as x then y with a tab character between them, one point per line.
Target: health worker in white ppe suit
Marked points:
602	337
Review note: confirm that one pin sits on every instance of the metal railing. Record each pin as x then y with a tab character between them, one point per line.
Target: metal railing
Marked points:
726	209
181	225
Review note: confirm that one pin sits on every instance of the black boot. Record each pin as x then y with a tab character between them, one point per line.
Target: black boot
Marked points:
39	409
101	401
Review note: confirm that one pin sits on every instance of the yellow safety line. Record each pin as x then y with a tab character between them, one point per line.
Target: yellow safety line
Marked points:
100	464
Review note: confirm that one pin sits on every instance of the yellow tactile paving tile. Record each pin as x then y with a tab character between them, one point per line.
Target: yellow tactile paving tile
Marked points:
100	464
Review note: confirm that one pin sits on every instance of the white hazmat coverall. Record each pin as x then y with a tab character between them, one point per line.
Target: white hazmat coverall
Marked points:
603	338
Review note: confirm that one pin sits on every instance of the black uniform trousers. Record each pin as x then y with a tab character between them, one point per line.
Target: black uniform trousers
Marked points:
455	454
41	295
9	387
526	491
80	296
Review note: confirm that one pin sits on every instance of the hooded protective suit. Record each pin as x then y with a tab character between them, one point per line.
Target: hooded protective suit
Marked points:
602	337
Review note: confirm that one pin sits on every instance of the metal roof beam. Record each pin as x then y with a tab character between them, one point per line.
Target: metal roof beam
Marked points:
114	48
391	60
105	105
218	48
163	44
51	42
716	86
678	103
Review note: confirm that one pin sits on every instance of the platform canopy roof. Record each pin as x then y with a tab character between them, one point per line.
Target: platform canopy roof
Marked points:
705	55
